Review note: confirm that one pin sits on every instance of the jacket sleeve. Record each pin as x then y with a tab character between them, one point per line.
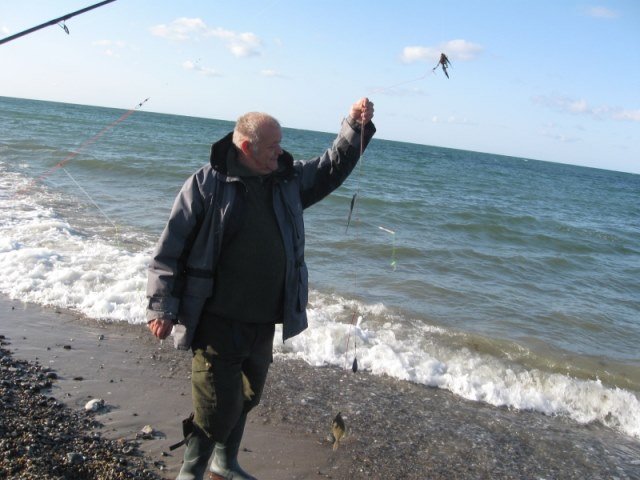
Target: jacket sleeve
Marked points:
322	175
167	265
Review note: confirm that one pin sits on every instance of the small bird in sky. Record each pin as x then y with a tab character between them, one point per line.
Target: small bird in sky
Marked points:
444	61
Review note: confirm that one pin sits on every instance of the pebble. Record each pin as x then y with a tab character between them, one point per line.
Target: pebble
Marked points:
146	433
94	405
74	458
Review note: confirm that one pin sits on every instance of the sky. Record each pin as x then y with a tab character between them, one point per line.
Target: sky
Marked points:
549	80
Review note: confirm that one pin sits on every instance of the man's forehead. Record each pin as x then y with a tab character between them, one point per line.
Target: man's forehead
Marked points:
271	132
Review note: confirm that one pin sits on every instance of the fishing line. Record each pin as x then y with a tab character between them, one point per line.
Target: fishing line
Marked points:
90	141
92	201
83	146
390	87
353	208
354	365
355	320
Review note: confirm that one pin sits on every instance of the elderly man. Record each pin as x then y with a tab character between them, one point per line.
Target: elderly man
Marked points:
229	265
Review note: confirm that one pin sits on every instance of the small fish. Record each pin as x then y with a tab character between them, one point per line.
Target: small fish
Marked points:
353	202
354	367
338	430
444	61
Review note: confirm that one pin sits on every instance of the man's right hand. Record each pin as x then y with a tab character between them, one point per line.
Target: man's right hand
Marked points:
160	328
362	111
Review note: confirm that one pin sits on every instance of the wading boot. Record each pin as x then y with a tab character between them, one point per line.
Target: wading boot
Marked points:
196	457
225	457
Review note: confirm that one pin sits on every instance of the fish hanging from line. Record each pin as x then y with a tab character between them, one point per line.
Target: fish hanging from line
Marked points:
354	365
444	62
353	202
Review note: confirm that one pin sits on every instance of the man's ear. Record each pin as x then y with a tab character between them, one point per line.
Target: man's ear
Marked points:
245	146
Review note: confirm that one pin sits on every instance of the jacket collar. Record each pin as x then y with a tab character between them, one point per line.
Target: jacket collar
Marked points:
220	150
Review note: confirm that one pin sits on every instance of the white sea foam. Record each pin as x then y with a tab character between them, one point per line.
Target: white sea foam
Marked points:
46	261
419	353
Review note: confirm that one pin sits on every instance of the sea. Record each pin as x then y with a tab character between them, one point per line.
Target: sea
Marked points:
505	280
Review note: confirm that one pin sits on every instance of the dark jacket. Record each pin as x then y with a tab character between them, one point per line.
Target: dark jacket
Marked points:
181	271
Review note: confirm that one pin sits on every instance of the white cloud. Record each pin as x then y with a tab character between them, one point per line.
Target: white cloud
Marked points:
4	30
111	47
245	44
461	50
559	137
399	91
454	49
416	53
180	29
550	130
196	67
582	107
109	43
602	12
577	106
452	120
240	44
631	115
271	73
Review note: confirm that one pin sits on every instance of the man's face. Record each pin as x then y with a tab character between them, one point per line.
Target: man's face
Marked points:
264	155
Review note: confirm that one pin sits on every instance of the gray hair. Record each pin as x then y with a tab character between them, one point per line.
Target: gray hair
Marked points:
248	127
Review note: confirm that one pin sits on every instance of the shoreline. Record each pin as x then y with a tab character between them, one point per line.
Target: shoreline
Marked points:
396	429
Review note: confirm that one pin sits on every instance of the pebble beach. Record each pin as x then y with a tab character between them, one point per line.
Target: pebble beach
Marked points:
54	362
43	438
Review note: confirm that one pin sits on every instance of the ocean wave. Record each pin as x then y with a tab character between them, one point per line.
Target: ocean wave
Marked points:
422	354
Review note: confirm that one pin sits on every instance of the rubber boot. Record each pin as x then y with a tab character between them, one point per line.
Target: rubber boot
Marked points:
225	456
196	457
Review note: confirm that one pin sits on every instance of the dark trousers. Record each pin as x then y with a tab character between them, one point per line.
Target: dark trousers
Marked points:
229	349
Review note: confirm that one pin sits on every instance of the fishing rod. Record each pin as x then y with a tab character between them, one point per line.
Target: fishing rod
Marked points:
55	21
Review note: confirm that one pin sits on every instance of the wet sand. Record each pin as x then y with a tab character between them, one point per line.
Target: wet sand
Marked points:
395	429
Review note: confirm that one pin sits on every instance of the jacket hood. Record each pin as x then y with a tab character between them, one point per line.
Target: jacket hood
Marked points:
218	157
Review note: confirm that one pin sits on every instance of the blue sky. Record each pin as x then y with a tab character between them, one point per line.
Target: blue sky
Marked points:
548	80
